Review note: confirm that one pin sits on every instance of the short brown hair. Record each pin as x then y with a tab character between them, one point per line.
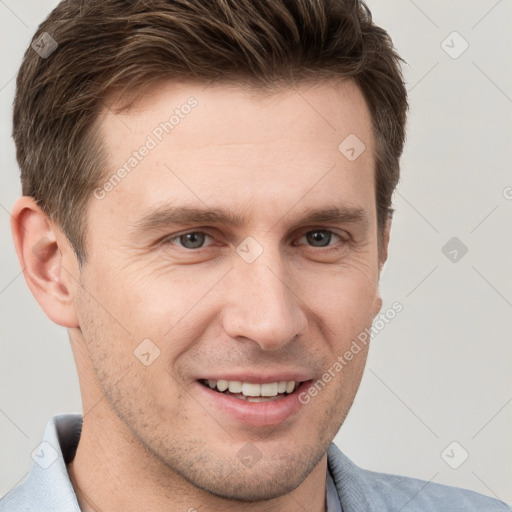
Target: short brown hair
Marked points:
120	45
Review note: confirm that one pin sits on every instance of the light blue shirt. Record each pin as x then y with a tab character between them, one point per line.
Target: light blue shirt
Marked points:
48	488
332	497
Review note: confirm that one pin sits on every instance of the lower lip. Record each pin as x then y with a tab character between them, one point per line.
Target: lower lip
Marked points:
255	414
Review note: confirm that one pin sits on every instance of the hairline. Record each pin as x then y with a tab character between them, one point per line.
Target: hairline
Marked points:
125	102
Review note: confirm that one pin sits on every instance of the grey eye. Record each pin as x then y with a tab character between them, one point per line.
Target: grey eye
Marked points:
319	238
193	240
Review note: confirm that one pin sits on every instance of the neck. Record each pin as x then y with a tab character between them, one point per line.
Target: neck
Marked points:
115	472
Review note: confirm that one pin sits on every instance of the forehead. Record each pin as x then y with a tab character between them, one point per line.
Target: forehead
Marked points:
261	151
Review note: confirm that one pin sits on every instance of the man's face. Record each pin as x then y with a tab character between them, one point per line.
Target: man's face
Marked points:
258	295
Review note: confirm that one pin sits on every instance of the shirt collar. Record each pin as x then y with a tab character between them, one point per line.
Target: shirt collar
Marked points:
48	483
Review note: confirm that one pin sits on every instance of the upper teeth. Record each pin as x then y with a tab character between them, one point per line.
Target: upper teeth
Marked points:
250	389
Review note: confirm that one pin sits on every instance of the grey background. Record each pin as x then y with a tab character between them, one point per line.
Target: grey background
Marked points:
440	371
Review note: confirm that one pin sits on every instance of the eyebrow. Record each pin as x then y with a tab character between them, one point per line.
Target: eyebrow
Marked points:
167	216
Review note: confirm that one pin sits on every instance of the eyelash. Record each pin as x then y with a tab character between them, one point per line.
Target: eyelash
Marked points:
171	239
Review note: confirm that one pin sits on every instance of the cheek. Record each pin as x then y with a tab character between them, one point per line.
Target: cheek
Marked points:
143	299
148	299
131	367
344	298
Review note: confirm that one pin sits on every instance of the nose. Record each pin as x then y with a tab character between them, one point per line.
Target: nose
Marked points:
261	304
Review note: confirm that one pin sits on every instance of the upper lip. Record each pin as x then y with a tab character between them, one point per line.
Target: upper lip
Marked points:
260	377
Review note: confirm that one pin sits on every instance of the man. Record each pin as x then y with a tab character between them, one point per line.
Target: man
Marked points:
206	208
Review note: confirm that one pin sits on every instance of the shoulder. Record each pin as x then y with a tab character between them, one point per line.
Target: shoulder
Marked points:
422	495
382	491
48	487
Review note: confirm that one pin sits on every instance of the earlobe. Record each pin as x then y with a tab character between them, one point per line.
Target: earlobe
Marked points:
41	247
377	305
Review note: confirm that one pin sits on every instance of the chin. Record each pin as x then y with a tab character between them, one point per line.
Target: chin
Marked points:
254	485
272	476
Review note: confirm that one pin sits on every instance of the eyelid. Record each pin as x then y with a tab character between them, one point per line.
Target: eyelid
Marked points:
171	238
206	231
329	230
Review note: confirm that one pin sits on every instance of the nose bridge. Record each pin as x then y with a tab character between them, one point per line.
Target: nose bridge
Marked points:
263	307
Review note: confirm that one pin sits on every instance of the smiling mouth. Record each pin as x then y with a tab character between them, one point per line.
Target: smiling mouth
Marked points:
252	392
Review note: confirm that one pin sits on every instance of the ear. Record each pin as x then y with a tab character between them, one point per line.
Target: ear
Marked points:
47	259
384	243
383	256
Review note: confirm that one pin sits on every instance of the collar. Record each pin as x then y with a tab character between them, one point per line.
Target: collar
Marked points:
48	485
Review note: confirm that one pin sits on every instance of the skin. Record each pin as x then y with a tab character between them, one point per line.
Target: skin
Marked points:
150	440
